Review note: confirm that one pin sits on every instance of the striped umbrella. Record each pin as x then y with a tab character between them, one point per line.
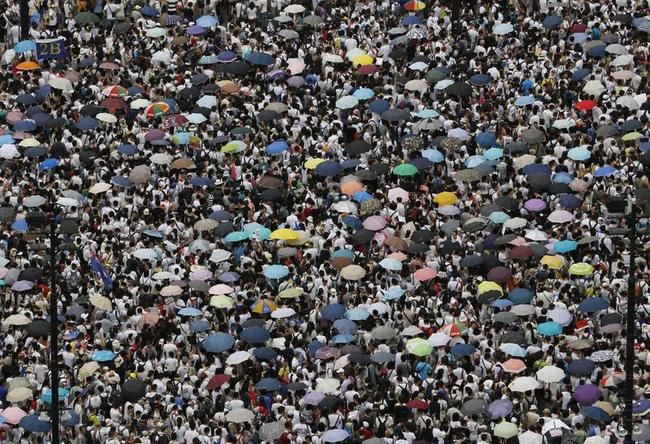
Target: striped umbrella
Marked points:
115	91
156	109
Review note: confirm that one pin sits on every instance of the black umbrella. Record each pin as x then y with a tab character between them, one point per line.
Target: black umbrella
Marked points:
490	208
329	402
272	194
472	260
360	358
507	202
473	407
189	93
422	236
201	110
365	175
7	214
56	123
223	228
210	88
489	296
449	246
516	147
538	249
296	386
460	89
91	110
133	390
253	322
395	115
87	157
362	237
38	328
380	168
121	28
31	274
539	181
238	68
505	239
505	317
267	115
358	147
513	337
559	188
416	248
533	136
198	79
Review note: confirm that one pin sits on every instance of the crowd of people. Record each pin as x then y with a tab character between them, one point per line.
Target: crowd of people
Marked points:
364	222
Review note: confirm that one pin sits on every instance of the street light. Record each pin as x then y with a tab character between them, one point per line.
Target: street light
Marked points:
629	208
40	220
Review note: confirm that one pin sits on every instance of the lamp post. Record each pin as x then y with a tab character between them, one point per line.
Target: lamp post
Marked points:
39	219
24	19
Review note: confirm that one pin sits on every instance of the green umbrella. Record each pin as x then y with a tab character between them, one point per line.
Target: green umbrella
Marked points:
581	269
419	347
87	18
506	430
405	169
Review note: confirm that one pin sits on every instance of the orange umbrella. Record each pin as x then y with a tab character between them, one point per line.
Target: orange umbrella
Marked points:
399	256
27	66
350	188
513	366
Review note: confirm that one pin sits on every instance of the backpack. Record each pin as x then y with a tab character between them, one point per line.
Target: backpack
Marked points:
381	429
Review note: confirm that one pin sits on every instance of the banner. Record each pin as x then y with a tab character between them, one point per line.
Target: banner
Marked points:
50	49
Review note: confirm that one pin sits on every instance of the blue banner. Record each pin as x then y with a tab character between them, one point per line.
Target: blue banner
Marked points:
50	49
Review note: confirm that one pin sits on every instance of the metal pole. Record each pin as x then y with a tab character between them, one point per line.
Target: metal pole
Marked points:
631	327
24	19
54	335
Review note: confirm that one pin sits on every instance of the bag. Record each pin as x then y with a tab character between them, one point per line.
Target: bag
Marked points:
381	429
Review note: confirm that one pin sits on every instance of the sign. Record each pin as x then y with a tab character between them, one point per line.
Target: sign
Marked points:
50	49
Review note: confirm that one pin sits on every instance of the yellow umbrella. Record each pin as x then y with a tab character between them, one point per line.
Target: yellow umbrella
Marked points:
291	293
353	272
312	163
303	238
581	269
486	286
222	301
101	302
88	369
29	142
284	234
632	136
553	262
445	198
362	60
264	306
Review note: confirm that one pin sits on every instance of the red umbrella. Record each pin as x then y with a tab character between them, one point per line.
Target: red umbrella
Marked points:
179	119
109	65
368	70
217	381
579	27
520	253
113	103
585	105
417	404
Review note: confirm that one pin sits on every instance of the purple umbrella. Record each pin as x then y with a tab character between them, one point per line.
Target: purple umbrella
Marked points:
499	408
326	353
201	274
499	274
195	30
587	394
375	223
313	398
535	205
154	134
22	286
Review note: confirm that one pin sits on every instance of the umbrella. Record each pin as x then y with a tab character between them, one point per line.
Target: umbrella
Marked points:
499	409
332	312
218	342
335	435
593	304
523	384
581	367
35	423
240	415
271	431
103	356
255	335
419	347
506	430
587	394
269	385
550	373
275	271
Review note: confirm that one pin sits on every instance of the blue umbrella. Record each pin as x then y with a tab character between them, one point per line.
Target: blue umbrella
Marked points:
379	106
47	396
501	303
350	164
433	155
70	418
103	356
122	181
190	311
579	153
236	236
597	52
255	335
276	271
229	276
427	113
630	125
570	201
552	21
87	62
149	11
153	233
343	253
25	125
269	385
127	149
6	139
201	181
363	93
207	21
461	350
474	161
353	222
562	177
260	58
641	407
135	90
596	414
536	168
314	346
35	151
357	314
362	196
382	357
410	20
564	246
218	342
227	56
48	164
329	168
515	350
26	99
277	147
41	119
605	171
493	153
346	326
222	216
86	123
525	100
593	304
527	84
480	79
581	367
644	147
344	338
20	225
200	326
393	293
33	423
580	74
549	329
332	312
421	163
335	435
25	46
265	353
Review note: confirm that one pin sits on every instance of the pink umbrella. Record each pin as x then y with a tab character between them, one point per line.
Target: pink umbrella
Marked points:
579	185
375	223
13	117
394	193
154	134
202	274
519	242
140	174
560	217
13	415
535	205
514	366
326	353
313	398
425	274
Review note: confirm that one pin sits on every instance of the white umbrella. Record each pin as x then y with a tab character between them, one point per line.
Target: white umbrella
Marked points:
67	202
416	85
101	302
345	206
100	187
207	101
140	104
524	384
283	312
353	272
161	57
523	310
561	316
145	253
622	60
240	415
411	330
503	29
536	235
162	275
439	339
550	373
19	394
616	48
171	290
238	357
332	58
594	87
106	117
61	83
9	151
596	439
515	222
88	369
160	159
341	362
552	424
628	102
17	319
220	255
530	437
294	9
524	160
